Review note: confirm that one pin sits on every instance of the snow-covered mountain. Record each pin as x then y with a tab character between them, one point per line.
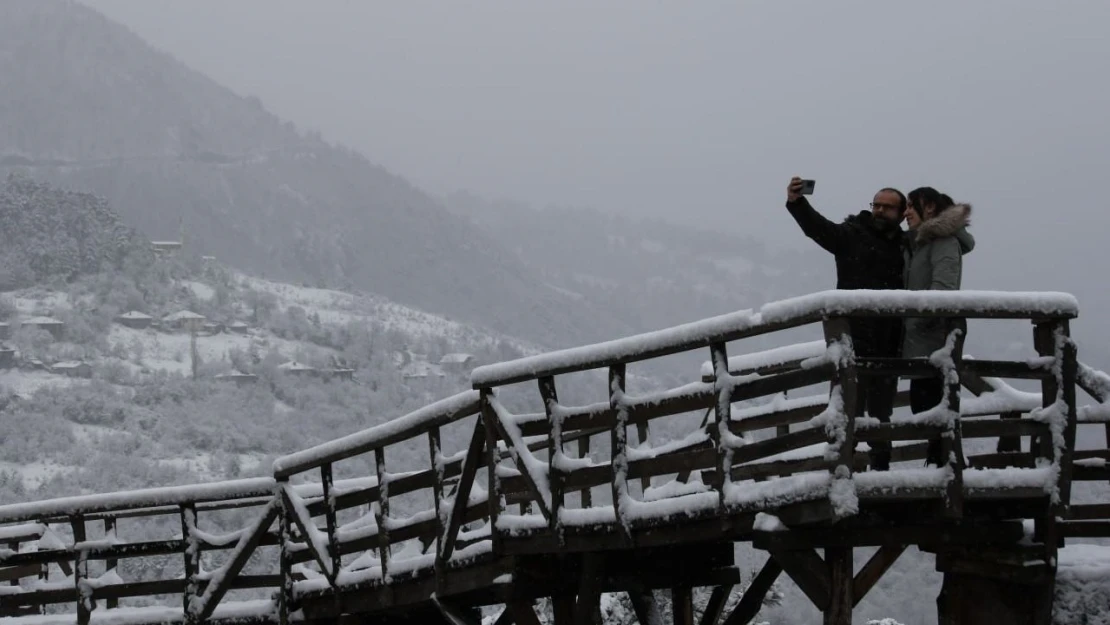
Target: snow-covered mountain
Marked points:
87	104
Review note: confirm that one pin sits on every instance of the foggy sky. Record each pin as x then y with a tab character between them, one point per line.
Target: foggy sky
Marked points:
701	111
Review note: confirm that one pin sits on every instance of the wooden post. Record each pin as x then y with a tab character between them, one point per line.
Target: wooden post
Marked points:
642	434
952	445
587	609
1045	342
1002	585
85	604
285	538
382	516
682	605
111	563
783	430
845	377
1069	372
554	449
188	513
434	453
839	561
619	441
13	546
646	607
493	458
563	609
1011	444
327	485
44	572
722	390
584	452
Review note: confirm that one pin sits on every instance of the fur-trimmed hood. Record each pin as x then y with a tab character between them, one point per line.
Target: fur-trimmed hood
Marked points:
946	224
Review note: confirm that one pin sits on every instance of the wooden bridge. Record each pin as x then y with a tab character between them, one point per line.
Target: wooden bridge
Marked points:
388	526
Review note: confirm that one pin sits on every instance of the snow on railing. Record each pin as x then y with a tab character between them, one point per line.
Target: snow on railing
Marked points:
778	316
767	359
143	498
413	424
161	498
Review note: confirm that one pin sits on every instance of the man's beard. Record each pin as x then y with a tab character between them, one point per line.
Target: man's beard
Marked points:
886	225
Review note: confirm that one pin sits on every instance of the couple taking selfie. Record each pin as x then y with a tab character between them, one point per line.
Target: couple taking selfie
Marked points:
872	251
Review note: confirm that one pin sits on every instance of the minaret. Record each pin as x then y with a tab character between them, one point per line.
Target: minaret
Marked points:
181	231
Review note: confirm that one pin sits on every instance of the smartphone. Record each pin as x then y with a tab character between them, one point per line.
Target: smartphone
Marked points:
807	186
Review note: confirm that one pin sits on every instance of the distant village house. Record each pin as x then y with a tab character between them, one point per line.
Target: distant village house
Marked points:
239	327
457	363
415	366
135	320
166	248
7	357
73	369
183	320
293	367
5	330
238	377
212	328
50	324
421	370
340	373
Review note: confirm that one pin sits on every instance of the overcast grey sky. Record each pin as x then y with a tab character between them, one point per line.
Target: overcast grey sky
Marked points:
699	111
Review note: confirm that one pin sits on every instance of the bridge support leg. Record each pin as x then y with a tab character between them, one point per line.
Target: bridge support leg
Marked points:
995	587
562	608
839	561
682	605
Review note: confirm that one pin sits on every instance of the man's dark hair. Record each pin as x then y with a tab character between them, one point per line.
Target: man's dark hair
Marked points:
901	197
923	196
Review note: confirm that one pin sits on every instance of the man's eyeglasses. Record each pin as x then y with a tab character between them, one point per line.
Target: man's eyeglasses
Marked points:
876	205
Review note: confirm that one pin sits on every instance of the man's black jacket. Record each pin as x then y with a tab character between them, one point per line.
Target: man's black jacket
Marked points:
868	256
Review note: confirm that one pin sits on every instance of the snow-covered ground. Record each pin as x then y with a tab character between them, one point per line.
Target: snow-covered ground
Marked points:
25	383
1082	585
340	307
144	352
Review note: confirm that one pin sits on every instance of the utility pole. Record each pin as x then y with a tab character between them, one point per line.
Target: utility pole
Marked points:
193	346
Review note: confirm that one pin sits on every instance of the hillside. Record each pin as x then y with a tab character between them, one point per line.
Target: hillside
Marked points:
53	234
311	364
653	274
89	105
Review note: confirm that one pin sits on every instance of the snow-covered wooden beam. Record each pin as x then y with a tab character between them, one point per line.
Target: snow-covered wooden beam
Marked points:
416	423
767	359
776	316
143	498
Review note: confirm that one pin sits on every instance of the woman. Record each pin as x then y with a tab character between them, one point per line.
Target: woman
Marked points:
935	245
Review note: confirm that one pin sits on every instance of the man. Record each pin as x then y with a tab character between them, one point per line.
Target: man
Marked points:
868	252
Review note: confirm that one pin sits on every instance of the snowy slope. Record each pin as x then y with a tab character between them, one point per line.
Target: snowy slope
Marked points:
150	352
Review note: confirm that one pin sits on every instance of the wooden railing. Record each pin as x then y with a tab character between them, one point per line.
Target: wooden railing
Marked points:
78	534
796	457
724	457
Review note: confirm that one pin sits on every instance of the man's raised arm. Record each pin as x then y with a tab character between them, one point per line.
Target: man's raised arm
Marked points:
816	226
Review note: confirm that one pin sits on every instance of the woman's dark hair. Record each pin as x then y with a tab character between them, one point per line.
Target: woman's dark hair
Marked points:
924	196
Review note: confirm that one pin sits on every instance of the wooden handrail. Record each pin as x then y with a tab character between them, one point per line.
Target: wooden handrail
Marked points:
143	498
777	316
416	423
